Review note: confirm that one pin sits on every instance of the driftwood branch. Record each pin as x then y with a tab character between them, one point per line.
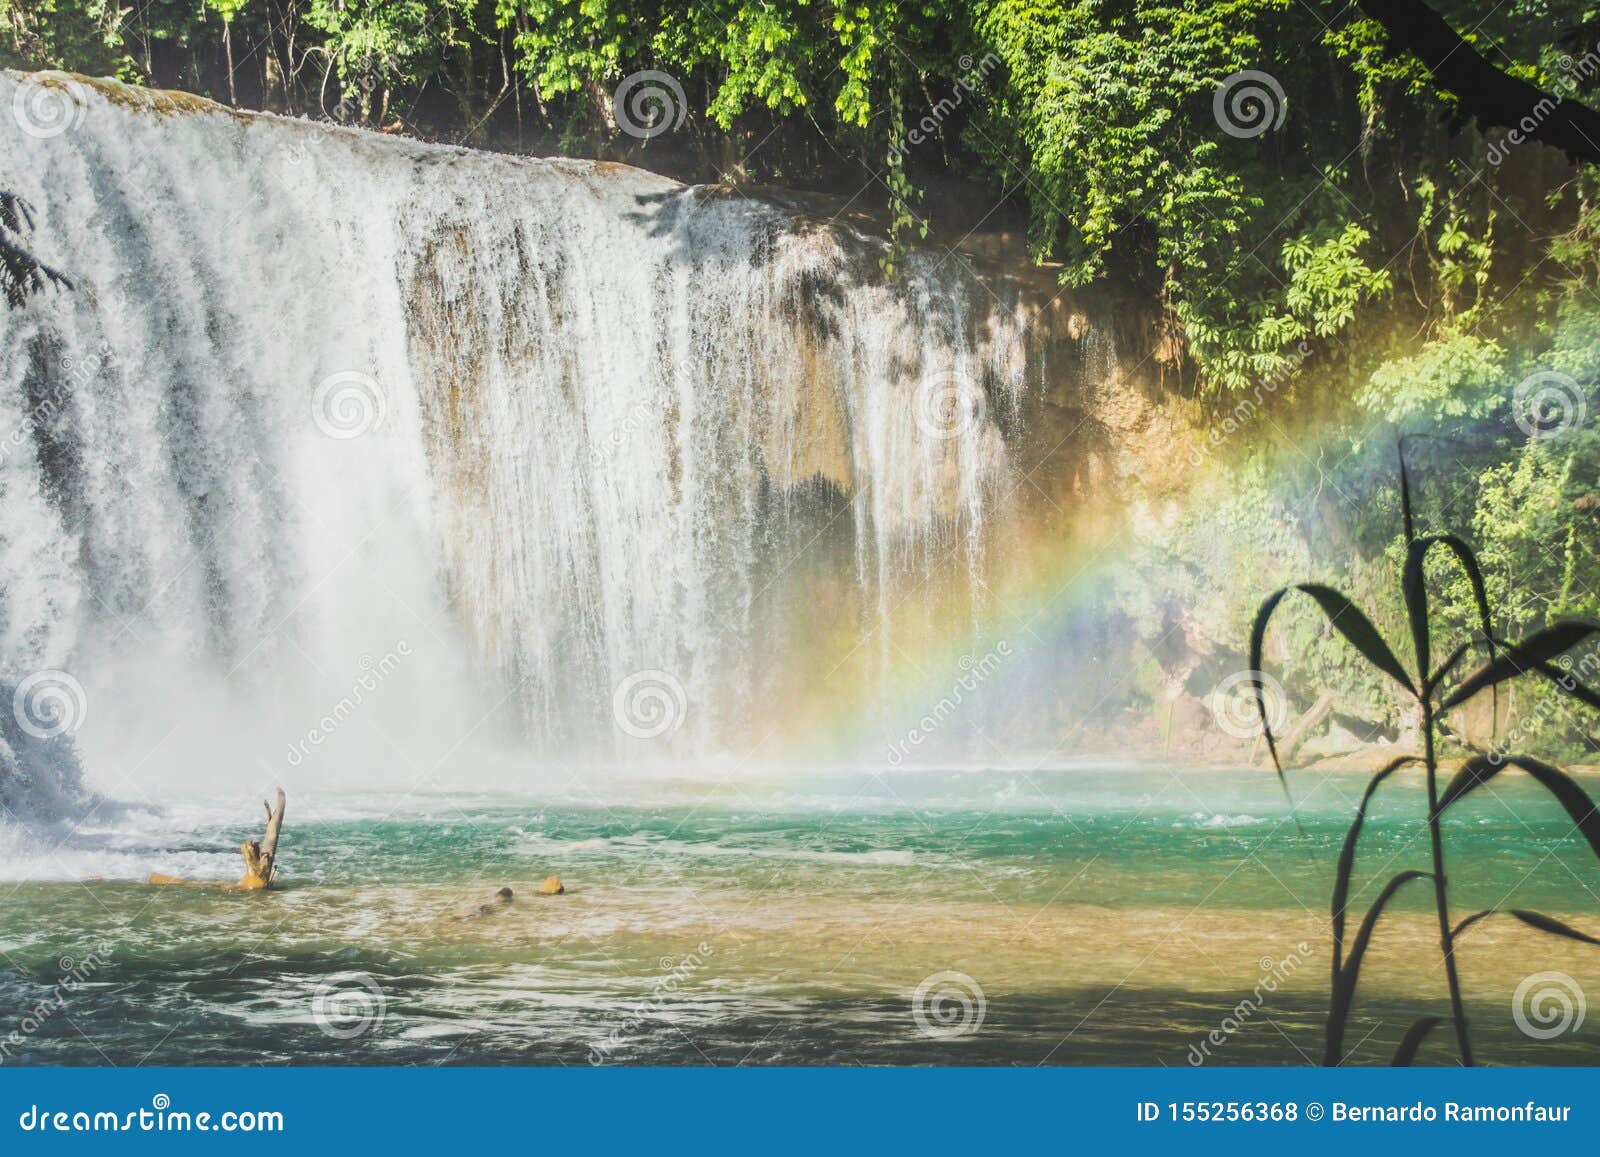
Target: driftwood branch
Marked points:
260	856
1488	95
1305	725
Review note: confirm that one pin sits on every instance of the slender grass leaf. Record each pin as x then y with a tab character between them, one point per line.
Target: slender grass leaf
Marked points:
1347	857
1449	664
1346	618
1407	1052
1533	919
1520	658
1566	683
1406	516
1475	771
1417	603
1415	589
1481	768
1344	992
1258	637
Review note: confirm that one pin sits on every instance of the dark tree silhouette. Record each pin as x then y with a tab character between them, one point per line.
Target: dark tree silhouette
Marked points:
21	273
1488	95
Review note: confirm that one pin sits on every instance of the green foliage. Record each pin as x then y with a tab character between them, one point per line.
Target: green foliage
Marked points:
1459	376
1327	281
1098	117
77	35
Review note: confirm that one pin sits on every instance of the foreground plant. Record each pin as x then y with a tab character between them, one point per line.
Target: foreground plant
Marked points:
1534	657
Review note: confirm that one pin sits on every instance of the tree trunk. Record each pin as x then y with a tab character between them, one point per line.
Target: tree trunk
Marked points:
1305	725
260	856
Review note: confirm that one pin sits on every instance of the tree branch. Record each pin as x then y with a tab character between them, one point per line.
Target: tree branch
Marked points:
1490	96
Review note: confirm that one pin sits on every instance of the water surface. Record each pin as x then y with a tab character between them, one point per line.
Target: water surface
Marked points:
1075	916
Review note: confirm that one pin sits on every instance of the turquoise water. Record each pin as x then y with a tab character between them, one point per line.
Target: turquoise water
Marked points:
1105	916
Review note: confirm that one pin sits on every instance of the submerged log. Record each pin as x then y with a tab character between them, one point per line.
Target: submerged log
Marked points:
161	878
260	856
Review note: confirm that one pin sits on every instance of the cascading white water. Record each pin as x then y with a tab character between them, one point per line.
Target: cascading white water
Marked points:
362	456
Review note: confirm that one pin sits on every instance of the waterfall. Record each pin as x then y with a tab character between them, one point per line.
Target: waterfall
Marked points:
349	453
